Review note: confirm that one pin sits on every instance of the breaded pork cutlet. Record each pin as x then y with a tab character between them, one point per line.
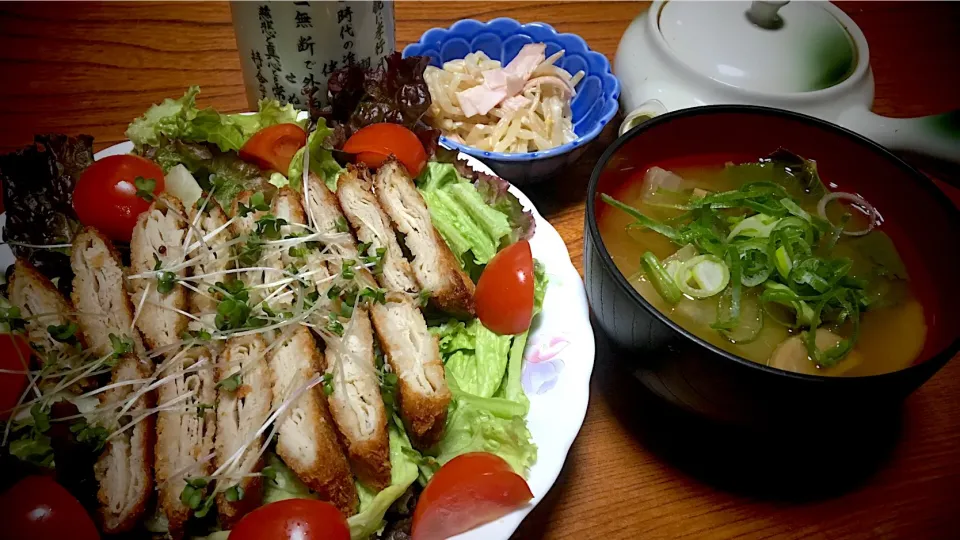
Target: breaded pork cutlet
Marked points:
212	257
252	253
434	265
185	435
414	355
243	405
411	350
42	306
307	440
157	243
372	226
101	302
124	470
355	404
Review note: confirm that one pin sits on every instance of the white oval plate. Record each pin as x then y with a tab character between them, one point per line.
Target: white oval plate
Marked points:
558	359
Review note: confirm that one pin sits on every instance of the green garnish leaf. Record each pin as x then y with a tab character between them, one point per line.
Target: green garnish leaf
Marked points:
346	269
231	383
233	493
250	251
327	384
202	409
269	226
63	333
374	295
145	187
423	297
121	345
10	319
334	326
41	418
166	281
90	434
341	225
257	204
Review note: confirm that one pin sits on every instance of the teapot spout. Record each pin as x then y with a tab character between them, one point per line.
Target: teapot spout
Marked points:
936	136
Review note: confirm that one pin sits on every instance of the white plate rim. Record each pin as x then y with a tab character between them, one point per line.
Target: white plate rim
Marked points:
567	404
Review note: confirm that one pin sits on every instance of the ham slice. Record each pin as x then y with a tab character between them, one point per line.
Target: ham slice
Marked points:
502	83
527	60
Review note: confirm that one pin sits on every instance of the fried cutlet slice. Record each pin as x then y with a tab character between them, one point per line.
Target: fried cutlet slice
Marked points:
414	355
124	470
243	405
185	435
42	305
157	243
306	437
372	226
103	306
434	265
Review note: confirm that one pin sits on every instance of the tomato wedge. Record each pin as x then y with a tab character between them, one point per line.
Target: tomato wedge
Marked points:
293	519
504	294
377	142
468	491
14	357
38	507
272	148
106	194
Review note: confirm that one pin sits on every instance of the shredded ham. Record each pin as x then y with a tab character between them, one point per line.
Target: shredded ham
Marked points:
520	107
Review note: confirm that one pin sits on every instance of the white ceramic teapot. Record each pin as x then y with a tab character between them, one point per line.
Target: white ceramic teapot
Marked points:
808	57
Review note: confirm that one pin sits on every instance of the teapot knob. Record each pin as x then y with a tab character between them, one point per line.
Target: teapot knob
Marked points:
764	14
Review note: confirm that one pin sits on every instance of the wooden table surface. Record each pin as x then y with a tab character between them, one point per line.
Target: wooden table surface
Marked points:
638	469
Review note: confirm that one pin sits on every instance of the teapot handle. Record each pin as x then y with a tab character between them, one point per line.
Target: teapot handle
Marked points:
936	136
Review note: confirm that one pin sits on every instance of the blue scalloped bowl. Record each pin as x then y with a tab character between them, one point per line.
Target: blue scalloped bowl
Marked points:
501	39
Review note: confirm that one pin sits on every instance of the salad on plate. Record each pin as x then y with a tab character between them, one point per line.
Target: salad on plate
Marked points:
251	322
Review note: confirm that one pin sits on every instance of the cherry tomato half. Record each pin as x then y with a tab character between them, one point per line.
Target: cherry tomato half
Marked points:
14	356
376	142
504	293
293	519
468	491
106	194
38	507
272	148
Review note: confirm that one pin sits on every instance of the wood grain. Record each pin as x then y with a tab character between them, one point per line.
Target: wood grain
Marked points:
638	469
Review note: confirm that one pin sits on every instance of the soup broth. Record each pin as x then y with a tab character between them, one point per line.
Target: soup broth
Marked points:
887	333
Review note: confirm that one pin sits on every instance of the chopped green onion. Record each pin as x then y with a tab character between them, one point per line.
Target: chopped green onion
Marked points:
662	281
782	262
755	262
731	295
708	274
642	219
795	209
756	226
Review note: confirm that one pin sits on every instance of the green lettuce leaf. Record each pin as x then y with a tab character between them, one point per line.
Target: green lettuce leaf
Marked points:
224	172
283	483
180	119
512	388
437	175
468	241
166	119
453	336
374	505
322	163
475	223
479	371
478	424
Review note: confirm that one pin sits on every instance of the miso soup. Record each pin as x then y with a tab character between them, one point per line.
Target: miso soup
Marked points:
763	260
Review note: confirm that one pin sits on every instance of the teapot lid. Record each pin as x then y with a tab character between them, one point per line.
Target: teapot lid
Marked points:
772	47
